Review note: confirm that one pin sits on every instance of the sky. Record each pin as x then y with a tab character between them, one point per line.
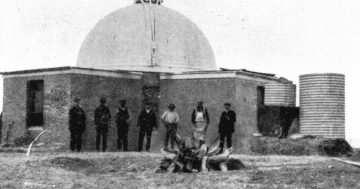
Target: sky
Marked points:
285	37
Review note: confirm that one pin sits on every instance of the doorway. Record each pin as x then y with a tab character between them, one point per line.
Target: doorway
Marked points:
260	95
35	103
260	108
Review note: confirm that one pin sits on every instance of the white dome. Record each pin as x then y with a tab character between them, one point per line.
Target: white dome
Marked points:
123	40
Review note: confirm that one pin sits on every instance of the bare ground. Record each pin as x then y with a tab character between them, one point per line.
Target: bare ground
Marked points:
137	170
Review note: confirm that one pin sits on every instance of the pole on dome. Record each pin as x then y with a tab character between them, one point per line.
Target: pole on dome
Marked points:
158	2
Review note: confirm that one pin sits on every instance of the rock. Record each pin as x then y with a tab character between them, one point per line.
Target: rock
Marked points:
257	135
40	144
296	136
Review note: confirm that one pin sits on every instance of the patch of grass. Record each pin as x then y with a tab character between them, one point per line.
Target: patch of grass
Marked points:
137	170
300	147
356	155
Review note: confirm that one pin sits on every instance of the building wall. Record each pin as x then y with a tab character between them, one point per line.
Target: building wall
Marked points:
241	93
60	89
90	88
14	106
246	110
56	106
185	94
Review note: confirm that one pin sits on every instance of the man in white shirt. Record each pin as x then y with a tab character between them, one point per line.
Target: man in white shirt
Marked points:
201	121
171	119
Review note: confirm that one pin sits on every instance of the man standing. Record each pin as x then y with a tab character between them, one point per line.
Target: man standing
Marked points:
77	124
146	122
171	119
102	120
0	125
123	118
226	126
200	120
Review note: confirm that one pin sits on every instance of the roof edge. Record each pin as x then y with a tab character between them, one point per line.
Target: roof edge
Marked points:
73	70
64	68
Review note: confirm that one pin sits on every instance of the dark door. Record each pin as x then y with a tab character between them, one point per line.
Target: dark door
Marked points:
260	108
35	103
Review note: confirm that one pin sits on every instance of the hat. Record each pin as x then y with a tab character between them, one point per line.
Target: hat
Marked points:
227	104
76	99
171	105
122	101
102	99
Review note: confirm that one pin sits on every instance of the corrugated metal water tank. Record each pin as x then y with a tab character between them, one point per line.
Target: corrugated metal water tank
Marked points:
322	105
277	94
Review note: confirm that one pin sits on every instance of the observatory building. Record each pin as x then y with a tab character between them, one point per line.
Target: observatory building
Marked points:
142	53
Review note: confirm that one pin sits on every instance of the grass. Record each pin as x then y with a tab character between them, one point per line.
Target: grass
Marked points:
356	155
137	170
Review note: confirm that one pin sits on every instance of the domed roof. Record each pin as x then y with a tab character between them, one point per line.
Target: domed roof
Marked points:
146	37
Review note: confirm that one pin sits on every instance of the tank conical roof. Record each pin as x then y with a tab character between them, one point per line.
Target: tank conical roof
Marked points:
127	38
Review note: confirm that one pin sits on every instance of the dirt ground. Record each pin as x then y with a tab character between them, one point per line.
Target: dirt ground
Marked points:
137	170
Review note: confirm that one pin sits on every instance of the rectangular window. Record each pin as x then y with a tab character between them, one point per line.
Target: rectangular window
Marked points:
35	103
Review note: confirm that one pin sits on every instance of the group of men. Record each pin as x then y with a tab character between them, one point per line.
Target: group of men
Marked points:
147	122
102	119
200	120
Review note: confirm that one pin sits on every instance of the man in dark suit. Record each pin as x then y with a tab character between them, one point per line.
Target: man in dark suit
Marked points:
102	119
123	118
0	125
146	122
77	124
226	126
